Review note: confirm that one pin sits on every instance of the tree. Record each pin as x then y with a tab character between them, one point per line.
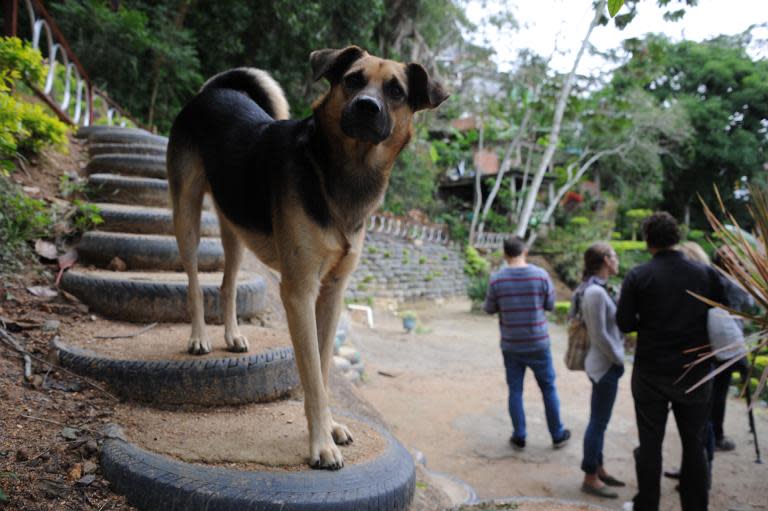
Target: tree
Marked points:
725	95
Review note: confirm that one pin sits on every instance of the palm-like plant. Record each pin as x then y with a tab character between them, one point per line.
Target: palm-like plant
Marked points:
746	262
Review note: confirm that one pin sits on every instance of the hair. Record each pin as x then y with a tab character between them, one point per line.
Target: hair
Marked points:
514	246
693	251
594	258
660	230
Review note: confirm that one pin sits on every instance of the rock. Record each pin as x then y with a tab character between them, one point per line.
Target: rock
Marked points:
350	354
91	447
22	454
89	467
52	325
341	363
117	264
52	489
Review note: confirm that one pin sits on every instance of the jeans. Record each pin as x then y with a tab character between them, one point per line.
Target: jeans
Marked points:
540	362
653	394
603	397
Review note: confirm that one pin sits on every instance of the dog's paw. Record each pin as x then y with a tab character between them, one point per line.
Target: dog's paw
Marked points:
341	434
327	457
199	346
237	343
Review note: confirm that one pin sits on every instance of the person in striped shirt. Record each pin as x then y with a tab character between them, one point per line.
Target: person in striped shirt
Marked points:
520	293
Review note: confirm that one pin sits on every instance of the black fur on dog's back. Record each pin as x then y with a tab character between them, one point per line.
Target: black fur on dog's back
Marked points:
256	84
249	158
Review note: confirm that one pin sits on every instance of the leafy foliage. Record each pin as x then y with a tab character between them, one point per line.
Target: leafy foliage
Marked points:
25	128
22	219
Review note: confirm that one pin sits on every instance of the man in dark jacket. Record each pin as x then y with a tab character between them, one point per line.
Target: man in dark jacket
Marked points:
671	328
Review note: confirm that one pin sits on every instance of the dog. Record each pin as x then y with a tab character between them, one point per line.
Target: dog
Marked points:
295	192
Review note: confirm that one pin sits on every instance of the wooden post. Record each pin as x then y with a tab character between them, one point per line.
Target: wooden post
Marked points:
10	19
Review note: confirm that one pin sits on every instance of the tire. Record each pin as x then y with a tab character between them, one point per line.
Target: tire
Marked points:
109	148
152	482
146	251
127	137
88	131
143	191
147	298
257	378
142	220
138	165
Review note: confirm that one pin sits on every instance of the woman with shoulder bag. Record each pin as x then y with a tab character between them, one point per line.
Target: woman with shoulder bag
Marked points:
604	363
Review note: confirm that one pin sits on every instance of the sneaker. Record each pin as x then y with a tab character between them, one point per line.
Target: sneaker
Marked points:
563	441
628	506
724	444
518	444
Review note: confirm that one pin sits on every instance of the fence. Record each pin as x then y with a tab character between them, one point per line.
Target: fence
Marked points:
90	104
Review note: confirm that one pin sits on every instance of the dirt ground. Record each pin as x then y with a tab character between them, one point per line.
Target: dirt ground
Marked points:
443	393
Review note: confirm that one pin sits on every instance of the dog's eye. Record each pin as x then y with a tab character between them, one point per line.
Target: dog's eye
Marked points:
354	81
395	91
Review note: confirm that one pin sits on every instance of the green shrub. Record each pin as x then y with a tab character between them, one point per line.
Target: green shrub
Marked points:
579	221
561	311
422	260
22	219
760	362
372	249
474	264
616	236
86	217
478	288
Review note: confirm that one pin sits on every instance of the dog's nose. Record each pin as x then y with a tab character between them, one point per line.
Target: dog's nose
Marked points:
368	105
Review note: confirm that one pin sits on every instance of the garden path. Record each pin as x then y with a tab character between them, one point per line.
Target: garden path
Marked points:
444	394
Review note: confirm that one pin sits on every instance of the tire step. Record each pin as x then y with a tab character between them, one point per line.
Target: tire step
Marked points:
98	130
156	369
159	296
110	148
144	220
138	165
130	136
146	251
154	482
143	191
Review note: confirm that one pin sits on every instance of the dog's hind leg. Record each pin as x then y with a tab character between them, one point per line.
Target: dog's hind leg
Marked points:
233	255
187	198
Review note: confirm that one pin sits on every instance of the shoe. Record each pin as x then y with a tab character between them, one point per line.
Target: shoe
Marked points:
518	444
559	444
628	506
724	444
603	492
611	481
672	474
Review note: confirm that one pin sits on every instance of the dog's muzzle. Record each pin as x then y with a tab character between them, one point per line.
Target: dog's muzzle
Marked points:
365	118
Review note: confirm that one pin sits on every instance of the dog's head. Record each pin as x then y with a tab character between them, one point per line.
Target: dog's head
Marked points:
374	97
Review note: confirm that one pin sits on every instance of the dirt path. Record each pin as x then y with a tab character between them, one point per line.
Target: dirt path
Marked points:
447	398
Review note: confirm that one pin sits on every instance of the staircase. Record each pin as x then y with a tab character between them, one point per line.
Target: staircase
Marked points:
222	431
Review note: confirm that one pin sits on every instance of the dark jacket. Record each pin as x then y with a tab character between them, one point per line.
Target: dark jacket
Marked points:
655	302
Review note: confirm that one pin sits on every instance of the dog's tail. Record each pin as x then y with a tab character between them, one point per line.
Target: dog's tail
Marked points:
256	84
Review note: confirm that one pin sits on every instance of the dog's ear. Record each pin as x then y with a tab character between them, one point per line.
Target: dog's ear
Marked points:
331	64
423	92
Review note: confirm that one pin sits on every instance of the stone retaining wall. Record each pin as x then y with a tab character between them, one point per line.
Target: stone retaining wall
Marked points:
392	266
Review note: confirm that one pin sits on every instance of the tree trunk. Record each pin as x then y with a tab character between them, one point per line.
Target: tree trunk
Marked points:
557	121
478	191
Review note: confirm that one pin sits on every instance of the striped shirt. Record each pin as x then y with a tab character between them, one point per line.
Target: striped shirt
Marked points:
521	296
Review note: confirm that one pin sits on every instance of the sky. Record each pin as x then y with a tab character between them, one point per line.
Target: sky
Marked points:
542	22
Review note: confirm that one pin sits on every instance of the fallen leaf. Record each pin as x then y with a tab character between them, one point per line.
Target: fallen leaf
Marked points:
76	472
42	291
86	480
46	250
68	258
69	433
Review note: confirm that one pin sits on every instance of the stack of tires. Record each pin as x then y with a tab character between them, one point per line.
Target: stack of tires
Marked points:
129	270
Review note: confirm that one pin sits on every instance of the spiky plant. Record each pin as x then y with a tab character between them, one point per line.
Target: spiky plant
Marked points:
746	262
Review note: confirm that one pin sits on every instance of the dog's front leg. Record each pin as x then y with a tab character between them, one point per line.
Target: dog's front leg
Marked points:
299	299
329	305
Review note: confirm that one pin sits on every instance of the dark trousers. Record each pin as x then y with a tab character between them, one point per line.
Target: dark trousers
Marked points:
603	397
653	395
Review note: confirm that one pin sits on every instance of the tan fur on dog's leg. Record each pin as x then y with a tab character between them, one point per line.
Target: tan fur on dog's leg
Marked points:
187	199
233	255
328	308
299	298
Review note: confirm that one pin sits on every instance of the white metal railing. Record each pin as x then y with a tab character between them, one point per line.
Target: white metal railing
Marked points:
408	229
491	240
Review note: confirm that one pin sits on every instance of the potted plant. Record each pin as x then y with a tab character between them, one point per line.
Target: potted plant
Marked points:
409	320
